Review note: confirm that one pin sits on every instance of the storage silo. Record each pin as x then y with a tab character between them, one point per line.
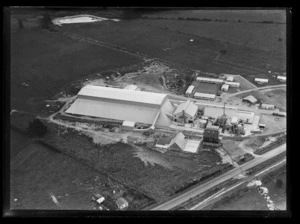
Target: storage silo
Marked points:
202	123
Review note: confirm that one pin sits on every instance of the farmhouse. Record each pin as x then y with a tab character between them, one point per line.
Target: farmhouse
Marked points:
186	111
121	203
123	105
178	143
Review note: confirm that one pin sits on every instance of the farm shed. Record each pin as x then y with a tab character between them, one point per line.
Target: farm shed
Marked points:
163	143
225	87
233	84
281	78
121	203
123	105
261	81
267	106
128	125
131	87
208	88
205	96
190	90
178	143
250	99
209	80
186	111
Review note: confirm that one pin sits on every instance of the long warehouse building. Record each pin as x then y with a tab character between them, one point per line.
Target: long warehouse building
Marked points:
123	105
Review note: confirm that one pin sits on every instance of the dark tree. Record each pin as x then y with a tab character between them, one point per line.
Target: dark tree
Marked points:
37	128
279	183
223	51
279	39
46	21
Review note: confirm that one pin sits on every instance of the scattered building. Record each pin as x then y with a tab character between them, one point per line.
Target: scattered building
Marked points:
209	80
229	79
132	87
178	143
205	96
233	84
261	81
186	112
261	126
211	134
123	105
225	87
163	143
250	99
128	125
100	198
281	78
267	106
122	203
190	91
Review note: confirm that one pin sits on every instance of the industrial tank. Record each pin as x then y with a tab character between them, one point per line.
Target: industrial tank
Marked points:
202	123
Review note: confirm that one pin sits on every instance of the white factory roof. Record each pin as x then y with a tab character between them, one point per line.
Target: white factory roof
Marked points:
122	94
188	107
179	140
204	95
122	105
204	79
261	80
190	89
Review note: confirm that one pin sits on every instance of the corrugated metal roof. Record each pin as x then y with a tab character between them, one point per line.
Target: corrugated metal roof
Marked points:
261	80
190	89
179	140
128	123
204	79
212	96
122	94
251	98
121	110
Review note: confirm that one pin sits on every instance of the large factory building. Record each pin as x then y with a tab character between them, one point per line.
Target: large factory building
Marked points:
123	105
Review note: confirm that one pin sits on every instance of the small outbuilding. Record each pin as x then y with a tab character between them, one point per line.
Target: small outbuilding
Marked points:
250	99
122	203
281	78
229	79
225	87
178	143
267	106
190	90
132	87
261	81
128	125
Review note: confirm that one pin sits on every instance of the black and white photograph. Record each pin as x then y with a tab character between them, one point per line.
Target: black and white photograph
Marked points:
113	110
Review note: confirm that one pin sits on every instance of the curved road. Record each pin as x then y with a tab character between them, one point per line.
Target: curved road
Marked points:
214	182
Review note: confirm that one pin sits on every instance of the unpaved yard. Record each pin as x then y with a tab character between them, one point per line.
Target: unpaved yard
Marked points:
272	123
233	149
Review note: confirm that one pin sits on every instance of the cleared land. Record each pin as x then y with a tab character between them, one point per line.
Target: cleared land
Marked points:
163	175
272	123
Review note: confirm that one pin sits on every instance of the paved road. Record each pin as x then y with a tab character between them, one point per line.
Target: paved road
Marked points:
212	183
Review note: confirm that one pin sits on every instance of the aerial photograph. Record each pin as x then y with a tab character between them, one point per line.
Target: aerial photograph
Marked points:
147	109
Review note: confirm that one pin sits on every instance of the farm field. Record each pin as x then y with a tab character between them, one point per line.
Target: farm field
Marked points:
262	36
47	61
152	173
221	14
71	182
